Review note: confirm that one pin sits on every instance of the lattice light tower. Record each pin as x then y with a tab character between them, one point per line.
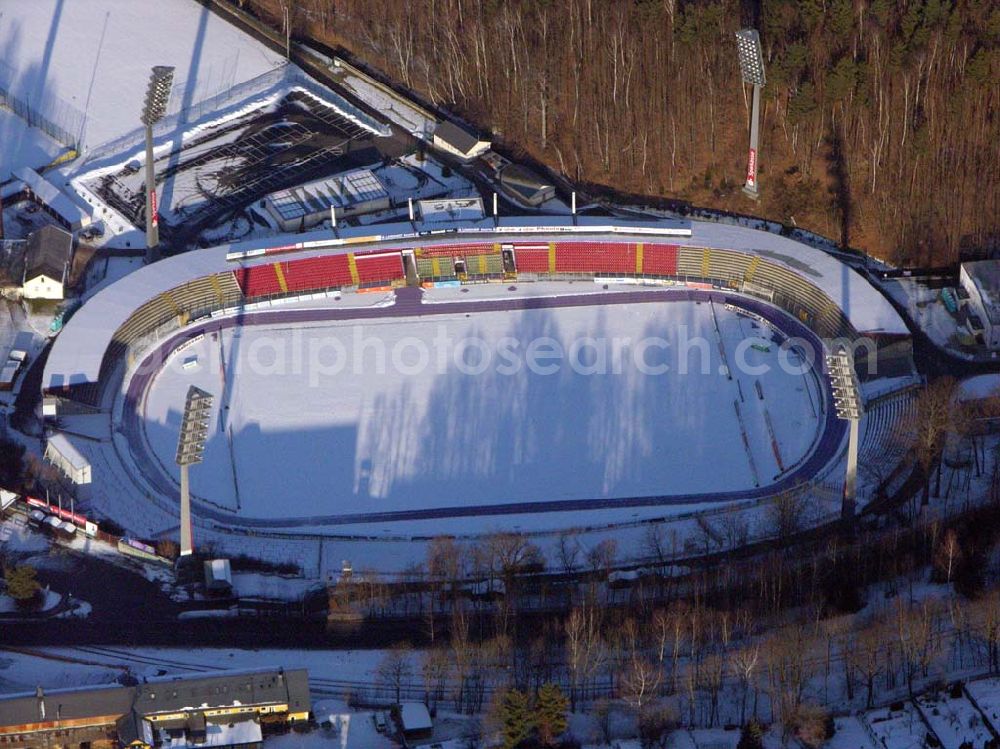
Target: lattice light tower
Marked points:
847	403
153	110
190	449
752	69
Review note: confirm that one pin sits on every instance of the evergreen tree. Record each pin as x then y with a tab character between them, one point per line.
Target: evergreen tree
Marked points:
22	585
516	718
550	713
752	736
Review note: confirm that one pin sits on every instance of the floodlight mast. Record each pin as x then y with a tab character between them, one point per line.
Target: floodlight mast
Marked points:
153	110
849	407
190	450
752	69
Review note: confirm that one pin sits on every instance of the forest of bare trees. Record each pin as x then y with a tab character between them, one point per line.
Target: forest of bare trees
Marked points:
880	116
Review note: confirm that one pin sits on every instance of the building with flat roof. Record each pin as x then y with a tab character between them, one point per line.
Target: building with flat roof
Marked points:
228	709
981	281
349	194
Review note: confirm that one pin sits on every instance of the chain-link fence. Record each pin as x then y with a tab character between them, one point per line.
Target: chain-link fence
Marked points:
47	112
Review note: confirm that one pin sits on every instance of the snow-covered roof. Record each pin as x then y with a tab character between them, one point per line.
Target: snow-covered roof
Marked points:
457	137
59	443
985	274
57	201
76	356
341	190
415	717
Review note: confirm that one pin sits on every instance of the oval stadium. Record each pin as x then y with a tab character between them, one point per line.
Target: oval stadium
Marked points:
540	379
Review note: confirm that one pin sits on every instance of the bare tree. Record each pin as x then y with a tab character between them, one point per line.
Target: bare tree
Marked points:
396	669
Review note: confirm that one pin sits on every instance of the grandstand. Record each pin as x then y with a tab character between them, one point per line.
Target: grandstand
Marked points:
147	315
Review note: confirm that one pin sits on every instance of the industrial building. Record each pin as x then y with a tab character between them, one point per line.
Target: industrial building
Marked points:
230	709
350	194
981	281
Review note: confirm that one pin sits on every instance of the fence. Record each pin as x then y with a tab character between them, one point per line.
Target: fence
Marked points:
229	101
48	113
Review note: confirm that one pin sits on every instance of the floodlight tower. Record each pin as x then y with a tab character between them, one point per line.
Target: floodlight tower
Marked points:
752	69
153	109
848	405
190	449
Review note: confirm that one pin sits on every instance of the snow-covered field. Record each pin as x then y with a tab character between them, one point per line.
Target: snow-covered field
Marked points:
403	414
21	145
95	57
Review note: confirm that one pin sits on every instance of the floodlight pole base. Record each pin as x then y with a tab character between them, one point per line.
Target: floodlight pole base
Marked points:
187	544
849	502
751	192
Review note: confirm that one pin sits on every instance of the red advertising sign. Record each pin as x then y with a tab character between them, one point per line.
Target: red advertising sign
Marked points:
55	510
752	168
152	206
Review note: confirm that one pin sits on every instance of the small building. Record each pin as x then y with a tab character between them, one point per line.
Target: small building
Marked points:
450	209
61	453
47	258
218	576
8	374
350	194
458	141
53	200
415	721
981	281
525	186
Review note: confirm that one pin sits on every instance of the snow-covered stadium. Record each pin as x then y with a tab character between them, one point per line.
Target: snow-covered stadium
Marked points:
536	378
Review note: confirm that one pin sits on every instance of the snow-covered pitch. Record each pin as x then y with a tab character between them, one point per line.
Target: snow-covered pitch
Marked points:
333	421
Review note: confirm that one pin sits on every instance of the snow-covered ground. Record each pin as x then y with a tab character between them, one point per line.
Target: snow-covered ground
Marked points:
926	309
22	145
898	729
428	422
95	57
954	720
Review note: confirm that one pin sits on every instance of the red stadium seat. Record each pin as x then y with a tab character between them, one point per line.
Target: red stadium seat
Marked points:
381	267
595	257
531	260
659	259
318	273
259	280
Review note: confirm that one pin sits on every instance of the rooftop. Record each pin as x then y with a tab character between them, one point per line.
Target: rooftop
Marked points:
456	136
985	274
48	250
342	190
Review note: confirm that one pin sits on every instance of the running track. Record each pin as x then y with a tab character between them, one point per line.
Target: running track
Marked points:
408	304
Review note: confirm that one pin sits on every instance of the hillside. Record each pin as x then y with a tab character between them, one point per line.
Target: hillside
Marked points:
880	118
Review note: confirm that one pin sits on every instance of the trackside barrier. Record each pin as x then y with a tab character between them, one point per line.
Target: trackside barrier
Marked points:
127	546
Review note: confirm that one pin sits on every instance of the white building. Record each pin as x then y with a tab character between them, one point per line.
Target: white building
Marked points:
457	141
61	453
350	194
450	209
47	258
981	280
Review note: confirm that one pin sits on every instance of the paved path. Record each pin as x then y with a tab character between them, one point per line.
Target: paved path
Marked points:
408	304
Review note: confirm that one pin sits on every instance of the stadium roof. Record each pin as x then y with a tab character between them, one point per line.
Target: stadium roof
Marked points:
76	356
